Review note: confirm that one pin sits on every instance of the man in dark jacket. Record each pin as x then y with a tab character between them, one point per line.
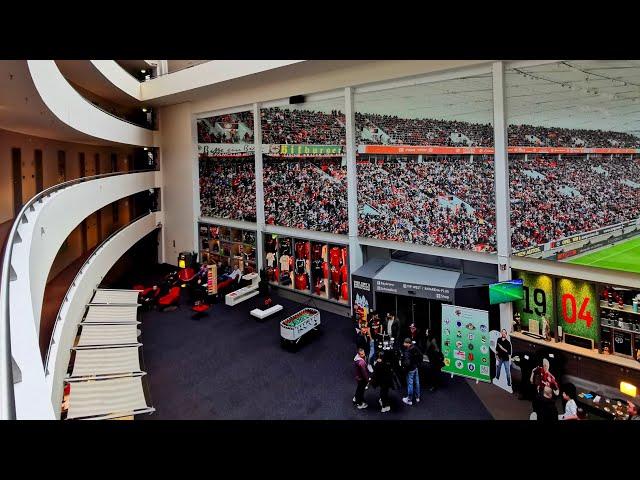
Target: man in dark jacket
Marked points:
383	378
362	378
547	410
411	360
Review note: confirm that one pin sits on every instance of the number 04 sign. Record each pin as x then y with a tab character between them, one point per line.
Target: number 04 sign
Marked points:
577	306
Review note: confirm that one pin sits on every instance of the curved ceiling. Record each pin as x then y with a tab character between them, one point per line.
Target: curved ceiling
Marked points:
22	109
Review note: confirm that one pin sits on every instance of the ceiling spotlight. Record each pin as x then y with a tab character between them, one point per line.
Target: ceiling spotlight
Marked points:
143	71
145	149
144	110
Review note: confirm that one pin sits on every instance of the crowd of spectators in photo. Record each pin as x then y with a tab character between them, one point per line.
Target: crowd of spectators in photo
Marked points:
308	193
228	188
310	127
305	127
416	201
226	128
553	198
443	201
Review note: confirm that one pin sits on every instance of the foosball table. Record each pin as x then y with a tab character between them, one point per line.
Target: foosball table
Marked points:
294	327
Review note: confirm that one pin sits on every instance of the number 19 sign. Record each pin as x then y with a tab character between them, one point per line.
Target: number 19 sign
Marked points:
577	306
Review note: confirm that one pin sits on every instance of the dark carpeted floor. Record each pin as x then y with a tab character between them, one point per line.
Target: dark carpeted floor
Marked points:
228	365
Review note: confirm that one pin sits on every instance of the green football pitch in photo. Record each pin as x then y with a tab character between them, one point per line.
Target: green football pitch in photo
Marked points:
624	256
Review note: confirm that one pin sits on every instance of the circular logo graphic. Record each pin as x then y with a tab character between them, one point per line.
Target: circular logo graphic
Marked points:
483	328
446	321
484	349
484	359
445	351
470	357
447	332
447	342
459	364
470	336
458	324
458	344
471	367
459	334
470	346
483	339
471	326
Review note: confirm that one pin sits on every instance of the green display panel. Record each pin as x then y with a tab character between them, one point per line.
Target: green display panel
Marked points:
465	342
537	301
577	305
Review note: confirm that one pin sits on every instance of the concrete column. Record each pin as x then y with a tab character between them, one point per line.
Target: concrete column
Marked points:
355	251
501	170
257	139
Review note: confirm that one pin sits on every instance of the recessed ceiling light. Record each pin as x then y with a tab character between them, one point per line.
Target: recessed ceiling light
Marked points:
143	71
144	110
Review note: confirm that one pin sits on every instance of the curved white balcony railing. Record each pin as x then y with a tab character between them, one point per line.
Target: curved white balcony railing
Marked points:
119	77
33	243
74	110
79	294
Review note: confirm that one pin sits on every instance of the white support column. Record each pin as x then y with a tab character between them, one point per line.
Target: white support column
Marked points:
257	139
355	251
501	170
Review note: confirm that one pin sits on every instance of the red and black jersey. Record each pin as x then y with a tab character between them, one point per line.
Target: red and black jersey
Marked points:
270	245
301	282
344	275
325	270
316	251
302	250
344	290
334	256
335	274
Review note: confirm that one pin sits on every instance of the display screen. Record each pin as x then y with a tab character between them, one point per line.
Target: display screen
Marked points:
505	292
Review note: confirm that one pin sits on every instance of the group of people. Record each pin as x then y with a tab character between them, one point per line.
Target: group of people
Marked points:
306	126
552	198
228	188
226	128
308	193
382	363
413	201
298	126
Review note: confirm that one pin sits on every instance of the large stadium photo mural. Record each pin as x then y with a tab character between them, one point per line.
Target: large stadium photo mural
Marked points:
226	162
574	168
304	166
425	164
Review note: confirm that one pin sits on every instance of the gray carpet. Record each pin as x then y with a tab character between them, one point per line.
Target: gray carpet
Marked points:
230	366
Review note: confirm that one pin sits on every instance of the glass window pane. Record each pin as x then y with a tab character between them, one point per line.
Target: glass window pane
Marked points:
573	162
227	166
304	172
425	164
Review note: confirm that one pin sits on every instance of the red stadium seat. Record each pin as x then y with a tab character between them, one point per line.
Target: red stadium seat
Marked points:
170	299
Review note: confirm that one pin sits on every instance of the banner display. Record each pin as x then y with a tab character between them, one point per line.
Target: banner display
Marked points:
212	279
466	342
226	149
410	289
578	311
436	150
362	293
307	150
537	304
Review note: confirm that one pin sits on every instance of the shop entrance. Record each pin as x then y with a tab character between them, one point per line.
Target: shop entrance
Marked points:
425	314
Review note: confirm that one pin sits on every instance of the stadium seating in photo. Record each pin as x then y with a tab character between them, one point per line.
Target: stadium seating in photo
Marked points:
228	187
308	193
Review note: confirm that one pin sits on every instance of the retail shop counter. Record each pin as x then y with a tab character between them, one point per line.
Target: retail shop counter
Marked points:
584	363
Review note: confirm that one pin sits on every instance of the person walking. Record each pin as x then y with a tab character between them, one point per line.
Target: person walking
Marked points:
411	360
382	378
362	378
364	341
